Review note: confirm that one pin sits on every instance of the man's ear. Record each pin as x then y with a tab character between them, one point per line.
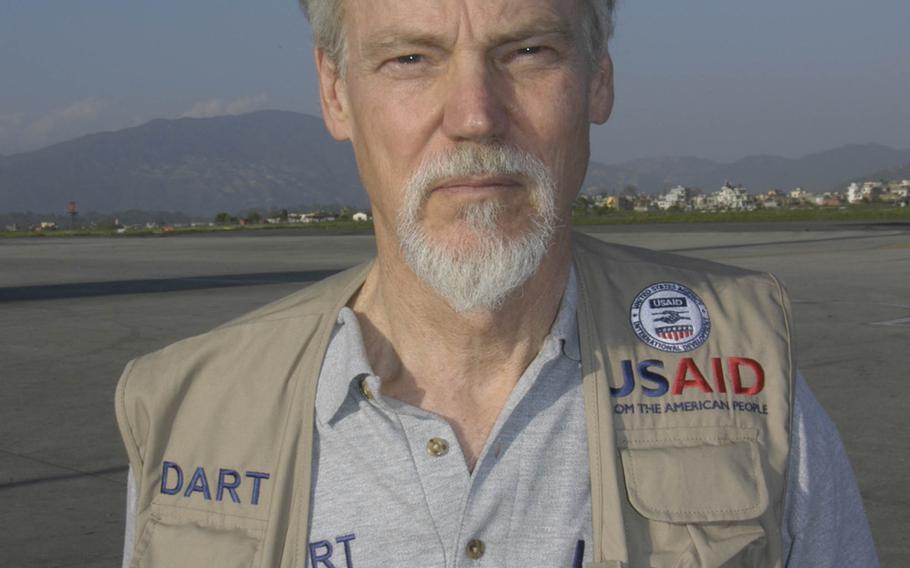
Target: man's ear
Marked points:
600	100
332	97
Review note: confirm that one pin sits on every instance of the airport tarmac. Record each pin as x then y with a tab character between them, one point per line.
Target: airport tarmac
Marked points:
74	311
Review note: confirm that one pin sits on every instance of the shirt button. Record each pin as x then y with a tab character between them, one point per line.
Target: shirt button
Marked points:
437	447
475	549
365	389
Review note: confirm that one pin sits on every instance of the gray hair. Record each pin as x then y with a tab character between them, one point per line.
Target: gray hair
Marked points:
326	18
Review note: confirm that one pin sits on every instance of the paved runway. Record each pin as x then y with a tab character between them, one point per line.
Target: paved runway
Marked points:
74	311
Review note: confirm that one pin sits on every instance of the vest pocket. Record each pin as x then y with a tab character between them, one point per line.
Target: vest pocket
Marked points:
177	542
697	497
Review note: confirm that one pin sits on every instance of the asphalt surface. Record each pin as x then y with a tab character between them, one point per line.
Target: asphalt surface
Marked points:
74	311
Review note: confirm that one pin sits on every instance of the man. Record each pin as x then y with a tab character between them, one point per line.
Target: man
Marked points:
492	390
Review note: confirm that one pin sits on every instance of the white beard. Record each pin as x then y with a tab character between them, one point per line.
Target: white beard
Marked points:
479	276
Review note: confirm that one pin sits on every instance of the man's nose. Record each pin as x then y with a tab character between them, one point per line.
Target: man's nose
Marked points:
476	103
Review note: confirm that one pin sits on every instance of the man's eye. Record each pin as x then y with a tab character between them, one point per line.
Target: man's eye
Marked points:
530	50
410	59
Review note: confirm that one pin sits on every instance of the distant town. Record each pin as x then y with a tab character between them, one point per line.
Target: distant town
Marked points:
730	198
253	218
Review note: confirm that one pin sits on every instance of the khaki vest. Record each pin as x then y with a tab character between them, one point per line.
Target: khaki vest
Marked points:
687	449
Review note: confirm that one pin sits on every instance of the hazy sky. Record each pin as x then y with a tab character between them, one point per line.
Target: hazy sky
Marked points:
718	79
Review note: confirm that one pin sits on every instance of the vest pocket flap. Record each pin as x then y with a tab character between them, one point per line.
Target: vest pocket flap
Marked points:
179	541
694	475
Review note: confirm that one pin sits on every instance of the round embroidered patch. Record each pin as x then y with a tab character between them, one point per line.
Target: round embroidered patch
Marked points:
670	317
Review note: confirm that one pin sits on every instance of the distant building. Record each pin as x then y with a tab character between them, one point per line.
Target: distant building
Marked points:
609	202
854	193
622	202
774	199
800	196
734	197
317	217
643	204
700	202
678	196
829	200
359	216
867	191
872	190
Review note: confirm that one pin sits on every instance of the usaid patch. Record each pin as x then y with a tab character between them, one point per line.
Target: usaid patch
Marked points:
670	317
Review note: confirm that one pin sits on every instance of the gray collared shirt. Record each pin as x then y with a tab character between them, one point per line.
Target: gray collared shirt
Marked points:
392	487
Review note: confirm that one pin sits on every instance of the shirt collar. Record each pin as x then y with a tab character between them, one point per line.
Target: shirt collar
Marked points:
565	327
346	363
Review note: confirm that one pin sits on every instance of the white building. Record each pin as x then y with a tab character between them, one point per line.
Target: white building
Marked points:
316	217
733	197
678	196
360	217
854	193
870	191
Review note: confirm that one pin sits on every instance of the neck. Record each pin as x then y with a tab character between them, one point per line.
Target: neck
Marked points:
461	366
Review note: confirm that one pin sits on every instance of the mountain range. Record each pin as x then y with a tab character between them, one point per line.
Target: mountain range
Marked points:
830	170
279	159
262	160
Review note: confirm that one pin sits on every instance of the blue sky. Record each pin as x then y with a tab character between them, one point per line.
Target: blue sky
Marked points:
718	79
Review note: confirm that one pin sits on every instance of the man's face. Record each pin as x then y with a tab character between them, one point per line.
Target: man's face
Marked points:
425	76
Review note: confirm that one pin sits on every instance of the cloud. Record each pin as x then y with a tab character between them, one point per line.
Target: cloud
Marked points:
20	132
50	124
220	107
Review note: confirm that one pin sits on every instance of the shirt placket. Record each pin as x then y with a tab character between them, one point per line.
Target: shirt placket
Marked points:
440	465
485	523
437	458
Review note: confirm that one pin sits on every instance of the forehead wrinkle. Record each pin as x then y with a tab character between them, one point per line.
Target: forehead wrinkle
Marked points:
544	27
390	39
427	23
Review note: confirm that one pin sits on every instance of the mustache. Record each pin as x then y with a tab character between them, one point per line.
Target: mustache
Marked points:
471	159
